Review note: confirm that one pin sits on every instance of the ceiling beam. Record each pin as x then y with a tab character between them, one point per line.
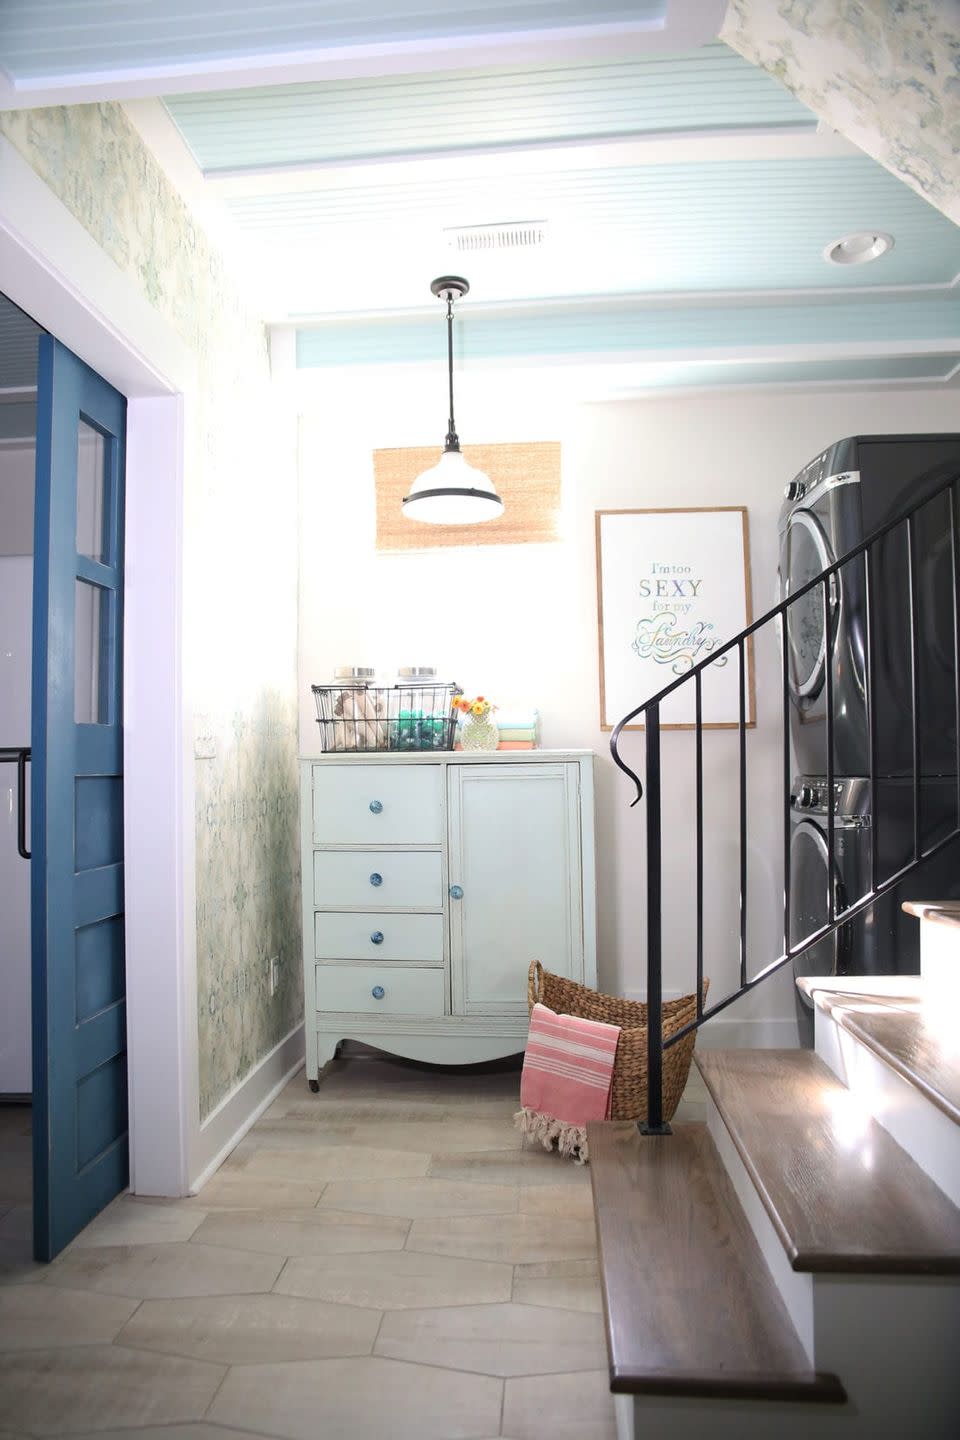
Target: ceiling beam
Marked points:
687	25
784	142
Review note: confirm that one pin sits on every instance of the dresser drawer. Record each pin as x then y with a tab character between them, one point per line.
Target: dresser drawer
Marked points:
401	937
377	805
357	988
388	878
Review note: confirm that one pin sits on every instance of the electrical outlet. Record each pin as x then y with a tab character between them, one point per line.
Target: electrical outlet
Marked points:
273	973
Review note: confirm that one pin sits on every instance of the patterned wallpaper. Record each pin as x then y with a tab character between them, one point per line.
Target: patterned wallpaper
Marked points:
884	73
240	582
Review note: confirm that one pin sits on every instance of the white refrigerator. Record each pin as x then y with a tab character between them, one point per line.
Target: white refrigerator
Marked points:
16	648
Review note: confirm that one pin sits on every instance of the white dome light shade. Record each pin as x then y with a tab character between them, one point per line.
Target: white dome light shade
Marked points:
452	493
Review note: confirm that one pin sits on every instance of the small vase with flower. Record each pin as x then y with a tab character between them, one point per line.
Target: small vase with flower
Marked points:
479	729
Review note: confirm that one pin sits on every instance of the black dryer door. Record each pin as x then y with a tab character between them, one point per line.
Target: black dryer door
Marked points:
809	871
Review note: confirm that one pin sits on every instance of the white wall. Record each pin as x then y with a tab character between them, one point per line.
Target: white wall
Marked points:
519	623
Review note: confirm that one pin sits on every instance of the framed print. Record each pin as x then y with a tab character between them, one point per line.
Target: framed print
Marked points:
672	587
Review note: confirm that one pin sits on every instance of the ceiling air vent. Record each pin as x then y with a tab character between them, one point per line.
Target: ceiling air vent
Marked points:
513	235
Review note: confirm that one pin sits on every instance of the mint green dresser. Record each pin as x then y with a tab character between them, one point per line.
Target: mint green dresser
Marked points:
429	884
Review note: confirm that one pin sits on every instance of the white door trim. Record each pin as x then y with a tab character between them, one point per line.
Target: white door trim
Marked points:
54	269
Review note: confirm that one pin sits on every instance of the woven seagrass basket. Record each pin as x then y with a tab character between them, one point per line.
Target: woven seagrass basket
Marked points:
629	1099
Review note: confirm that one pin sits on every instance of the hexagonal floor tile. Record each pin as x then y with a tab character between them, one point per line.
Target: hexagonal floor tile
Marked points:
571	1202
510	1239
38	1317
165	1271
346	1399
419	1198
172	1432
330	1162
128	1221
251	1329
302	1232
230	1190
101	1387
508	1167
565	1407
563	1284
394	1280
495	1339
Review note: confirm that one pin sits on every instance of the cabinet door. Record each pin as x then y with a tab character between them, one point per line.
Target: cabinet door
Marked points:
514	851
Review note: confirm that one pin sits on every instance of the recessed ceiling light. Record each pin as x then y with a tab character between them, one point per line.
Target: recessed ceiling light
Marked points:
858	248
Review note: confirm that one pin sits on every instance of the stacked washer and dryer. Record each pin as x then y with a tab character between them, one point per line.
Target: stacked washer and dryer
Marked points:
837	501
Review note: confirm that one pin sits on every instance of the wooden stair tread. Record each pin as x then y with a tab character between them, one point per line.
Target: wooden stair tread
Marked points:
941	912
841	1193
917	1042
690	1306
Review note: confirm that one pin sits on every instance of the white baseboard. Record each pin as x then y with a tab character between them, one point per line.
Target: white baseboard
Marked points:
723	1034
223	1130
728	1032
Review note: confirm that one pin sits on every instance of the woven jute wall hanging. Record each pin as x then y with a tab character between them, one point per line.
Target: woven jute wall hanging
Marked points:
526	477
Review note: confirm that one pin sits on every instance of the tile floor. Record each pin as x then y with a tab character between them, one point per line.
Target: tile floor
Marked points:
381	1259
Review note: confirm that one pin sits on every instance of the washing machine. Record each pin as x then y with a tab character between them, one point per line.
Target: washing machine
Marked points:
880	939
836	501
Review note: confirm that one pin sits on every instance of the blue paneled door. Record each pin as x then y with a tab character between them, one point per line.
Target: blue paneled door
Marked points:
79	1010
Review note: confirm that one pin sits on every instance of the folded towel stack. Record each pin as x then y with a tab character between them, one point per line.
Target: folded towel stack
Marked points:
519	729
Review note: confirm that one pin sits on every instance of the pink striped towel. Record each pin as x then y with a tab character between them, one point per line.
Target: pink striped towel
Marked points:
566	1080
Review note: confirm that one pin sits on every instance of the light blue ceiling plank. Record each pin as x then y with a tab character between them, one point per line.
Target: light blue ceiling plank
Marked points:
712	88
46	37
725	226
630	328
900	367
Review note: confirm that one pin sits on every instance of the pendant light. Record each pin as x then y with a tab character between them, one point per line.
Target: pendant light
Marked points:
452	492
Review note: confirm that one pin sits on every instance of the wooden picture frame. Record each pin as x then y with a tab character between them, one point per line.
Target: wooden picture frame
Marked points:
673	585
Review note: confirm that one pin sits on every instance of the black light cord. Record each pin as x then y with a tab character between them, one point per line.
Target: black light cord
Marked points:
453	440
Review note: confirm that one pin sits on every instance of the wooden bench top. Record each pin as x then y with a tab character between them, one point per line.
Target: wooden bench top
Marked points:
691	1308
841	1193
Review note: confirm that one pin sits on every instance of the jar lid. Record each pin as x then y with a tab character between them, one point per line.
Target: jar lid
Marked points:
417	672
353	672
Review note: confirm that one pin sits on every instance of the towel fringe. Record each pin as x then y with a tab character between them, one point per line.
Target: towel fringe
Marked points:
569	1139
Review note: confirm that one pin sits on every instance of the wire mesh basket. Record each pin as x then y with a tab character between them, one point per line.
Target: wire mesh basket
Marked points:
415	714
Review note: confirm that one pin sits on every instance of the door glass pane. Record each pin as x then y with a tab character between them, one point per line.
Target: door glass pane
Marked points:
90	693
91	462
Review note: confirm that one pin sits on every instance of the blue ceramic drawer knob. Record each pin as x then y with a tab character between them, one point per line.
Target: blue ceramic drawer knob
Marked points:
377	937
376	806
456	892
376	879
378	992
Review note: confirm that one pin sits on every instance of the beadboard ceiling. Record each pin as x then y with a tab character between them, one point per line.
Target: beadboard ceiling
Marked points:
19	341
682	199
684	204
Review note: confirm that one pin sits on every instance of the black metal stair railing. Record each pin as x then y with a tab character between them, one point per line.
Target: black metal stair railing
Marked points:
837	915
